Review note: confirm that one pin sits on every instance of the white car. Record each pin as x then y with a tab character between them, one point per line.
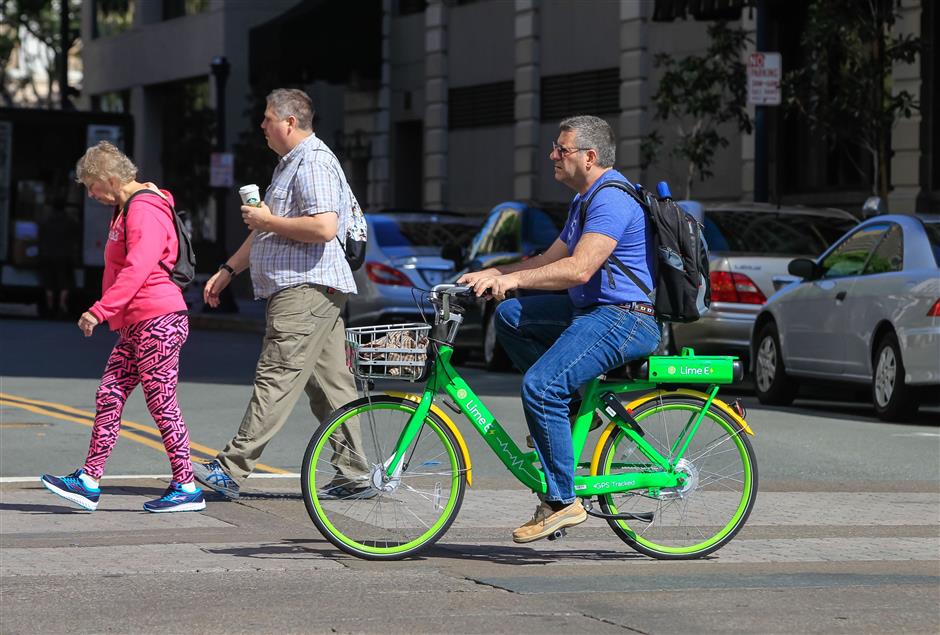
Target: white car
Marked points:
867	311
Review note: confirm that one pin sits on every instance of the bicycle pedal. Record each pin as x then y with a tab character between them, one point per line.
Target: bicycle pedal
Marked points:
558	534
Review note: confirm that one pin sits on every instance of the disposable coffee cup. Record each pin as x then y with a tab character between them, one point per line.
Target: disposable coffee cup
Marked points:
250	195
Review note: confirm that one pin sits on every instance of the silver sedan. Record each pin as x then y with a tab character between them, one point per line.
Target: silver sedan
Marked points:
866	312
403	260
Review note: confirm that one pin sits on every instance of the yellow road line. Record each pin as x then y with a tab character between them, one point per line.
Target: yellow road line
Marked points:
133	436
32	405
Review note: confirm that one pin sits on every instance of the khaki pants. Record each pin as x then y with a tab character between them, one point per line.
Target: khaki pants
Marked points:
303	350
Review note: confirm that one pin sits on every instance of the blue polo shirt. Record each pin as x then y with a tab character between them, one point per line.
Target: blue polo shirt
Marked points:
612	213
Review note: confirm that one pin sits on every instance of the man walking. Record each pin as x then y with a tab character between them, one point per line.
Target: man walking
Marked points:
299	266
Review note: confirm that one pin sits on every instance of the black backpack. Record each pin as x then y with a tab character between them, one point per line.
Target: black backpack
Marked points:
184	271
683	287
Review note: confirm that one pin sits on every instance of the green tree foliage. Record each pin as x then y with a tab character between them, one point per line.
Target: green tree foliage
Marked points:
40	19
844	88
699	94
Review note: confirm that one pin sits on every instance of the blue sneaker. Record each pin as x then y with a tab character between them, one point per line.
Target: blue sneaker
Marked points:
71	488
176	500
214	477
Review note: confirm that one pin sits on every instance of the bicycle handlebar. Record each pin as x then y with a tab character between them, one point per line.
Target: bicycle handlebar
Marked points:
450	289
440	297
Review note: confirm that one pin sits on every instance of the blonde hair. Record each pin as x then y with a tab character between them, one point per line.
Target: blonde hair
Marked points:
103	161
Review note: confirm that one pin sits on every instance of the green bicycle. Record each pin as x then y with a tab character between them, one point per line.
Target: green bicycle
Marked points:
673	472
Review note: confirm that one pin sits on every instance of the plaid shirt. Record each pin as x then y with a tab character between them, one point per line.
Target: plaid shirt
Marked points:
307	181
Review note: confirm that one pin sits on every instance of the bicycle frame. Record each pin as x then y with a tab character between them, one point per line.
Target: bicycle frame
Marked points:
443	377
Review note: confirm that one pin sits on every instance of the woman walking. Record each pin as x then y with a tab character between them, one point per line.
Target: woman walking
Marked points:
141	302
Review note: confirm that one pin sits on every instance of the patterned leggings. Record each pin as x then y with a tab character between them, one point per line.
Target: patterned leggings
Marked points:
146	353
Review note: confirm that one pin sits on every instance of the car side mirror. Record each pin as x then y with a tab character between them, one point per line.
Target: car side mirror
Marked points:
454	252
803	268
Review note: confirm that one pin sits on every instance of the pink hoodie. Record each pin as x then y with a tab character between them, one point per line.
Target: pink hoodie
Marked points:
135	287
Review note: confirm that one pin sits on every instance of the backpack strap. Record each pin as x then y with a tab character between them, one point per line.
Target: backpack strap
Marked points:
127	208
629	189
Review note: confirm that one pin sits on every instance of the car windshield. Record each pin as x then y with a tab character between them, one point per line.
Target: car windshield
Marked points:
421	234
771	234
933	235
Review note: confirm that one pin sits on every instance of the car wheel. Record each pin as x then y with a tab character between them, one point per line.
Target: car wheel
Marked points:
494	357
894	400
771	382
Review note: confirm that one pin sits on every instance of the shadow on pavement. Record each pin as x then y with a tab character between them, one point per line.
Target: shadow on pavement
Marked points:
527	555
285	550
42	509
509	555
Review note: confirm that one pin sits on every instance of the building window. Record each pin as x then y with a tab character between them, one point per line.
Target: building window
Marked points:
809	161
588	92
112	17
188	124
179	8
481	105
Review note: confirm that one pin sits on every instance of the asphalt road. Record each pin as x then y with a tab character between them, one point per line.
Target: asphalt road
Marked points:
845	536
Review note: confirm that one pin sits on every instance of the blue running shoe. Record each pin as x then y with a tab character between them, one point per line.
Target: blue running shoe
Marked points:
72	489
214	477
176	500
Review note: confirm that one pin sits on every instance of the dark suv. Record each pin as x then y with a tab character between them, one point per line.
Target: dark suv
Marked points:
512	231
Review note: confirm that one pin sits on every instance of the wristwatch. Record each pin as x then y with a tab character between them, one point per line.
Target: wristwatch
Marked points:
231	271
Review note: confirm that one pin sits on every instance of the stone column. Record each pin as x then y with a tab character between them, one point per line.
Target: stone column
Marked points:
378	171
908	172
634	87
435	109
527	105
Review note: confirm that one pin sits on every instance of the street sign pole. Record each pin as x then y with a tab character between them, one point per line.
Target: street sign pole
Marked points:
761	189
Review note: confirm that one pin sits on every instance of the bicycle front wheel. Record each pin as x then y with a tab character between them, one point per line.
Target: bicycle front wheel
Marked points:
368	516
720	471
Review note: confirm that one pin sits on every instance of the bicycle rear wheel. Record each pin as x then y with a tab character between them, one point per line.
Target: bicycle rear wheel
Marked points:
712	505
358	511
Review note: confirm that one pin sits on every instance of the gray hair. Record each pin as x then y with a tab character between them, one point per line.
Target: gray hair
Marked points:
103	161
290	102
594	133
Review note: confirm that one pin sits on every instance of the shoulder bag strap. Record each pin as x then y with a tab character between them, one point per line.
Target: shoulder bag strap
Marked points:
625	187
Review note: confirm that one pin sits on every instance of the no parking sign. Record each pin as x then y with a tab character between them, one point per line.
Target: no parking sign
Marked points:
763	79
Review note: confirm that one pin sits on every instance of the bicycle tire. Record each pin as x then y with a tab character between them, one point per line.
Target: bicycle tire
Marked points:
720	491
384	525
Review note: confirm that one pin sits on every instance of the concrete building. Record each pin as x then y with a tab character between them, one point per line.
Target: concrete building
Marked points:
454	103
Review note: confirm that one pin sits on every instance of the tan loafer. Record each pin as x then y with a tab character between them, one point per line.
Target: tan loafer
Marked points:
545	522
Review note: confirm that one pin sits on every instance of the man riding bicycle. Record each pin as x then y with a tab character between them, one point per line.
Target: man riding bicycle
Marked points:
604	321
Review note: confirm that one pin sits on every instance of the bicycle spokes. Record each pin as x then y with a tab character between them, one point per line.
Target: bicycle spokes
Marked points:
714	496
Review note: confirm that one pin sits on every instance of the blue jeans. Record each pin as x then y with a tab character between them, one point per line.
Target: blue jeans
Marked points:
560	348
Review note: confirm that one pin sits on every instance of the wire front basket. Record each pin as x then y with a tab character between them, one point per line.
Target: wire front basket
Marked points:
388	351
